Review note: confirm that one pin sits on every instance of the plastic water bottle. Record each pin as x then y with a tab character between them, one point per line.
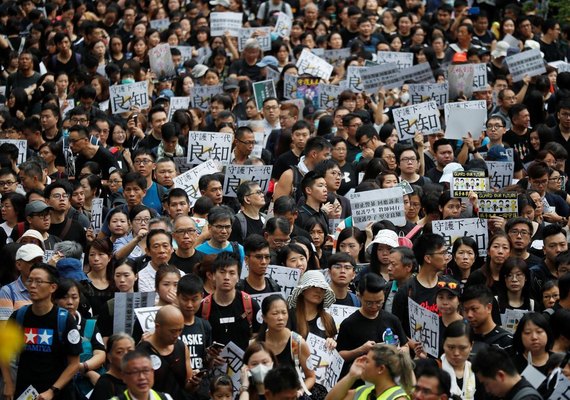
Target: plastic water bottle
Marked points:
388	337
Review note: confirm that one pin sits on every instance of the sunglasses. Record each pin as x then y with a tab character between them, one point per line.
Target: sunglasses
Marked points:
450	285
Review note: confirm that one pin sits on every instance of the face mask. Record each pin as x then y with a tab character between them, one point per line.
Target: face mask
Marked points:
274	36
259	372
128	80
404	97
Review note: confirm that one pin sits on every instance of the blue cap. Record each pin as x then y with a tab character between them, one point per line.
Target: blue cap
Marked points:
268	60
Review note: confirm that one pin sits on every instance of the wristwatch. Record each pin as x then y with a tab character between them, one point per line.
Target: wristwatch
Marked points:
55	391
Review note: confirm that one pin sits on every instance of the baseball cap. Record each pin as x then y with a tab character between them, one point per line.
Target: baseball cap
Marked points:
199	71
36	207
268	60
29	252
448	171
449	284
500	49
231	84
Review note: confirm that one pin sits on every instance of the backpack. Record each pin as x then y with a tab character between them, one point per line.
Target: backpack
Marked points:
268	14
524	392
62	314
247	306
243	222
297	178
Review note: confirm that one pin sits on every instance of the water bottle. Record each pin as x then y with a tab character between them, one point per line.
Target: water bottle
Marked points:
388	337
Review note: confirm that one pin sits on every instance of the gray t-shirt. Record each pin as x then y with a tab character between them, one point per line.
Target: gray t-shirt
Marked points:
273	8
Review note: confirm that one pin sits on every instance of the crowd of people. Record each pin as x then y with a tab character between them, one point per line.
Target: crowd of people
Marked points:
90	208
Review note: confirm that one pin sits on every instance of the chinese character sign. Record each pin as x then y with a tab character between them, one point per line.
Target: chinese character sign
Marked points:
283	25
124	312
328	96
452	229
326	363
528	62
261	34
96	214
500	173
146	317
128	96
178	103
336	57
263	90
185	52
236	174
200	96
479	77
22	146
376	205
460	78
418	73
161	61
204	146
377	76
498	204
464	182
222	22
307	89
423	117
424	327
402	59
470	105
290	86
189	179
311	64
160	24
340	312
353	78
422	92
285	277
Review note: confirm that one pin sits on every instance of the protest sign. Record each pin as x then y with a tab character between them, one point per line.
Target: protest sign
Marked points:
222	22
236	174
290	86
353	78
29	394
125	304
406	187
234	362
273	75
96	214
307	89
418	73
328	96
529	62
377	76
146	317
204	146
160	24
461	122
452	229
423	117
261	34
181	164
479	77
340	312
200	96
128	96
560	66
561	388
470	105
70	105
263	90
310	64
203	54
511	40
376	205
510	319
460	78
336	56
161	61
178	103
283	25
498	204
402	59
185	52
22	146
424	327
500	173
422	92
285	277
326	363
189	179
464	182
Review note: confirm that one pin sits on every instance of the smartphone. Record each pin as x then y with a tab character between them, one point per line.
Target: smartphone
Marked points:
135	118
217	345
202	373
474	11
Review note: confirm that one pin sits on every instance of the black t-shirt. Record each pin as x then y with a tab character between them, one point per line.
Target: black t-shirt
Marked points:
106	387
102	157
186	264
413	289
270	287
242	68
253	226
45	356
197	337
434	174
149	142
283	163
497	337
229	324
75	232
521	143
97	298
349	178
347	301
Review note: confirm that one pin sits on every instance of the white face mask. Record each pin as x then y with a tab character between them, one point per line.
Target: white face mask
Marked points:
404	97
259	372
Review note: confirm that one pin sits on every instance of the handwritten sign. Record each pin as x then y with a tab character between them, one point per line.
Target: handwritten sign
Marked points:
423	117
462	122
422	92
146	317
500	173
96	214
340	312
161	61
469	105
402	59
354	79
460	78
160	24
328	96
189	179
498	204
222	22
204	146
529	62
452	229
125	97
311	64
200	96
424	327
261	34
286	277
479	77
336	56
22	146
383	75
290	86
125	304
263	90
236	174
185	52
283	24
234	362
464	182
376	205
418	73
327	364
178	103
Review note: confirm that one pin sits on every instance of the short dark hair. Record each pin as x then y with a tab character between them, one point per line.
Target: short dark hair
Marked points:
254	243
220	213
205	180
441	142
518	220
176	192
225	259
281	378
189	285
244	189
133	355
275	223
490	360
155	232
309	179
53	274
538	169
442	376
59	184
284	204
317	143
372	283
426	244
477	292
136	178
539	320
341	257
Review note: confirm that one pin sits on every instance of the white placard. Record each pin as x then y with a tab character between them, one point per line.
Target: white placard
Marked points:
464	182
422	92
511	40
377	76
418	73
500	173
423	117
561	388
328	95
261	34
178	103
560	66
529	62
70	105
336	56
286	277
377	205
340	312
452	229
290	86
470	105
146	317
326	363
222	22
402	59
200	95
161	61
29	394
479	77
283	24
424	327
463	121
460	78
234	361
125	303
189	179
236	174
354	79
273	75
533	375
22	146
185	52
311	64
96	215
204	146
511	319
160	24
126	97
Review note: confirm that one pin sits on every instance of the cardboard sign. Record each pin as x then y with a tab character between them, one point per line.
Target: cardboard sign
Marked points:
125	304
419	73
311	64
126	97
353	78
236	174
96	214
234	362
423	117
479	77
189	179
377	205
263	90
261	34
185	52
336	57
340	312
283	25
146	317
328	96
452	229
178	103
22	146
529	62
469	105
208	146
422	92
200	96
327	364
161	61
402	59
460	78
160	24
222	22
498	204
307	89
424	327
500	173
384	75
290	86
464	182
462	122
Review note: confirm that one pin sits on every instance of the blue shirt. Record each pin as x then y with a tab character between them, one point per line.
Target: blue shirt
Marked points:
206	248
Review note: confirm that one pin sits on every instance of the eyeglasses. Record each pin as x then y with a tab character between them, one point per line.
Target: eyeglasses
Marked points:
496	126
424	391
516	232
7	183
142	220
146	161
36	282
518	277
247	142
364	144
564	115
257	192
281	241
373	303
59	196
408	159
188	231
76	140
441	253
261	257
342	266
444	284
556	179
222	227
541	182
335	173
79	120
43	215
145	372
115	182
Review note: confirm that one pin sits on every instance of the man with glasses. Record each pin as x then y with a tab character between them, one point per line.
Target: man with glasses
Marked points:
506	98
402	264
520	231
555	208
144	162
277	232
351	123
8	182
244	143
271	112
220	221
257	258
50	357
359	332
554	243
86	151
341	267
185	233
249	219
57	195
518	136
38	218
368	140
409	163
432	384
